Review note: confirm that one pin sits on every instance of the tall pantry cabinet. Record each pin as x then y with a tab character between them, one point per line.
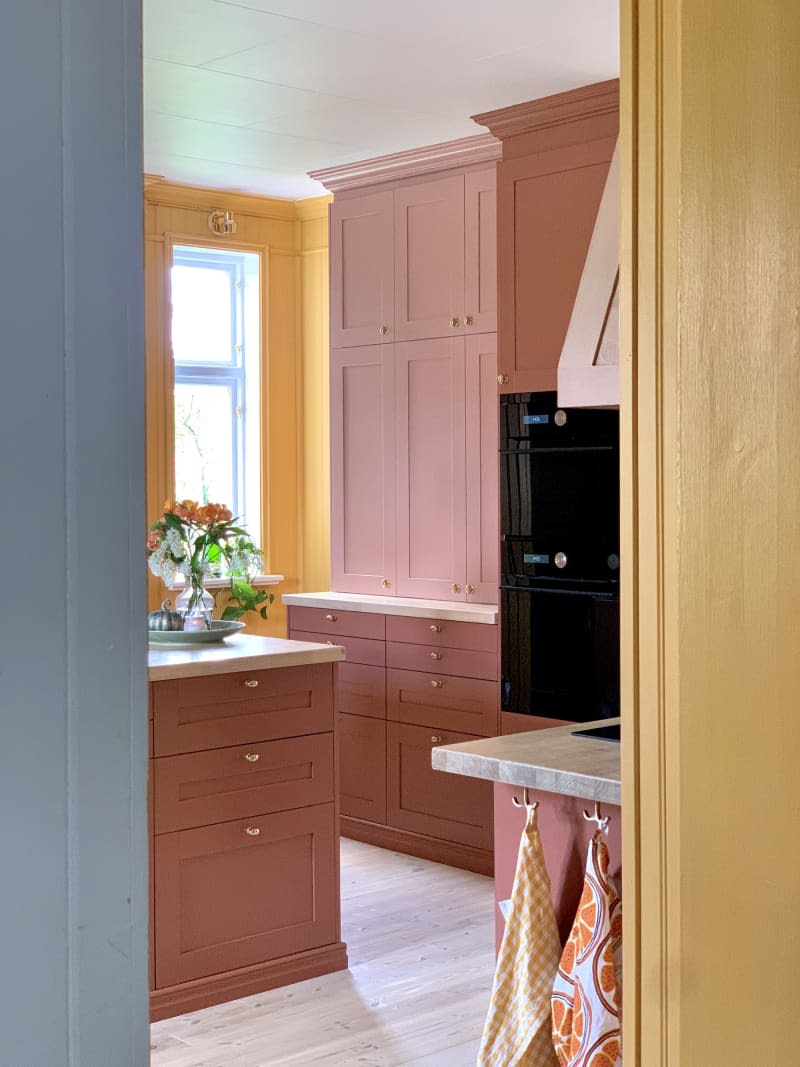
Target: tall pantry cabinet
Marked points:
413	374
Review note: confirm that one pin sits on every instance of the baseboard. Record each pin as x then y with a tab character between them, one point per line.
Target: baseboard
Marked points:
478	860
245	981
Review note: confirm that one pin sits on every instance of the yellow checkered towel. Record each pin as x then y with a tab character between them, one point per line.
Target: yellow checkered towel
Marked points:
517	1030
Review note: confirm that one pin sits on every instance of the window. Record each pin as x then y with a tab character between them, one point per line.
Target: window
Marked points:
216	353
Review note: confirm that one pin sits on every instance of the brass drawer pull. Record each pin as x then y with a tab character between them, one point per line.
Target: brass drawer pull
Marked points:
436	629
251	683
252	757
331	618
436	740
252	831
437	685
470	590
436	655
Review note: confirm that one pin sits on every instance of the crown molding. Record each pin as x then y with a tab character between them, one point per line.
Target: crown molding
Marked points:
481	148
588	101
197	197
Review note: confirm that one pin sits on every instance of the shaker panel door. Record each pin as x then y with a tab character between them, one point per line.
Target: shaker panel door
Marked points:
548	204
362	469
429	236
362	767
480	251
431	506
362	270
482	469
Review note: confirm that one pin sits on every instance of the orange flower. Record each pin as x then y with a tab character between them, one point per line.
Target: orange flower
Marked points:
211	514
153	540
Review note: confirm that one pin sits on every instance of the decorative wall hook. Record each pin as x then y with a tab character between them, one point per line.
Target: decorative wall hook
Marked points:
601	820
222	223
526	802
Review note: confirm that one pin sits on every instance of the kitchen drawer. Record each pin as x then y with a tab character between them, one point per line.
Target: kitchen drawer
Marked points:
362	767
466	704
360	690
442	660
430	802
357	649
334	623
244	892
231	783
221	710
475	636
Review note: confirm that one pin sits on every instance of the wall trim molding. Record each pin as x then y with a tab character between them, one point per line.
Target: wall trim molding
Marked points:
480	148
588	101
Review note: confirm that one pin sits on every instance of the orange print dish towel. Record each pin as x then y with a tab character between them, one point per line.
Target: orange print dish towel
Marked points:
587	995
517	1030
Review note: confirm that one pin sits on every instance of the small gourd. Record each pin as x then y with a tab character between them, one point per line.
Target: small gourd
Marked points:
164	618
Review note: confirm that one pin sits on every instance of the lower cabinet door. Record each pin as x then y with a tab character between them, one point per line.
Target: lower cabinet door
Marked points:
431	802
362	767
244	892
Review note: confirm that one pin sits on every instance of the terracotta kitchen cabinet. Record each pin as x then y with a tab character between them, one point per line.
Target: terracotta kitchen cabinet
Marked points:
362	469
442	701
556	156
480	251
362	767
422	801
244	826
482	468
362	286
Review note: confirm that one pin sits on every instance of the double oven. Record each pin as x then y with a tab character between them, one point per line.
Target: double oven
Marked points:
559	591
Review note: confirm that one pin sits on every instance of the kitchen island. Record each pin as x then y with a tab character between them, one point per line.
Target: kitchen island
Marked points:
244	821
560	771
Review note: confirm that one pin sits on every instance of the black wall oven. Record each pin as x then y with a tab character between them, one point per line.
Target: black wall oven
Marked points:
559	474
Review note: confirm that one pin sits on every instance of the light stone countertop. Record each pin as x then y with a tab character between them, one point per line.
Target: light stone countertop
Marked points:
552	760
451	611
241	652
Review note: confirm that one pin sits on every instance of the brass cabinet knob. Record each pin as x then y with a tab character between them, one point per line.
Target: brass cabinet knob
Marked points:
436	685
436	740
455	588
252	757
436	655
251	683
502	379
470	590
252	831
383	331
468	320
436	629
455	322
386	583
332	618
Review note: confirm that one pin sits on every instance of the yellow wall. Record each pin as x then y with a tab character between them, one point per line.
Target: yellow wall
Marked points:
292	237
711	477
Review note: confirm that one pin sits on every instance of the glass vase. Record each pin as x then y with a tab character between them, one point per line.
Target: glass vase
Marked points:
195	604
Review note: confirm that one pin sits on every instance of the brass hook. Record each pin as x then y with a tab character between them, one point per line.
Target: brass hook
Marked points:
602	821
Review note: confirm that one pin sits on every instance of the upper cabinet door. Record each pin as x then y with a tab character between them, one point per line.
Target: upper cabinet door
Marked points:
431	506
362	270
429	234
480	248
482	469
362	469
588	371
547	206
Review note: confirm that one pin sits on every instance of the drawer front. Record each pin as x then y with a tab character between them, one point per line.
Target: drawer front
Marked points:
334	623
231	783
222	710
362	767
357	649
439	701
442	660
475	636
360	690
435	803
228	897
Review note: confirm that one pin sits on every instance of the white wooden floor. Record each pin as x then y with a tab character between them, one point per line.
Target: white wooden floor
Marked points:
420	938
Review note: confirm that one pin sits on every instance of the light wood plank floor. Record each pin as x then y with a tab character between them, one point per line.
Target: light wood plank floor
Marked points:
420	938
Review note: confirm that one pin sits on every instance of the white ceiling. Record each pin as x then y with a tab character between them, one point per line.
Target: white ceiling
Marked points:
248	95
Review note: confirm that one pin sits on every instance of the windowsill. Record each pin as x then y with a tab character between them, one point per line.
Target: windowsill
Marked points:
223	583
